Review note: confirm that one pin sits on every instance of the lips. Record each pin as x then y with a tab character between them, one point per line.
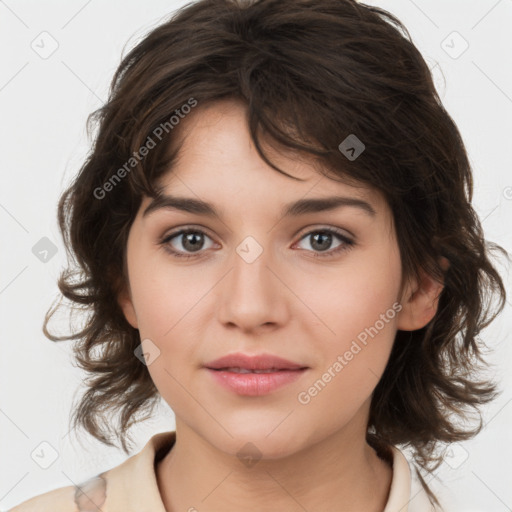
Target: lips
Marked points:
245	370
262	363
254	375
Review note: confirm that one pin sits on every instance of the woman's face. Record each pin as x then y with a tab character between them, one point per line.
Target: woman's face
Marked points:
316	286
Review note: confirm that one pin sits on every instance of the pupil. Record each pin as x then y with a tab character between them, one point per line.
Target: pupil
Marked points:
191	238
323	237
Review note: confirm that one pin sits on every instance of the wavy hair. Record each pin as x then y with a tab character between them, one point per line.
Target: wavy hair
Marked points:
310	72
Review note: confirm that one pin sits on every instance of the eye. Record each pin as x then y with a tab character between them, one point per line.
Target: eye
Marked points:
190	240
322	239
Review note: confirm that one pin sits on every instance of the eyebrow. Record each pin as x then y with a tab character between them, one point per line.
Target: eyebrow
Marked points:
297	208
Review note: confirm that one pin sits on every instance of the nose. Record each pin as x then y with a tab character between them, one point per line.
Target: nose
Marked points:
253	295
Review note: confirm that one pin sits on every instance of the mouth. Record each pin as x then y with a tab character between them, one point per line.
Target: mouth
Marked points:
247	370
254	375
240	362
254	383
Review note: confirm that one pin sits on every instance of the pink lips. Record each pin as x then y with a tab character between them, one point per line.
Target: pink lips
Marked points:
278	372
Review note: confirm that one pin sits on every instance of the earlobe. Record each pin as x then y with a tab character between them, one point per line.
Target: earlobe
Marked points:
126	304
420	301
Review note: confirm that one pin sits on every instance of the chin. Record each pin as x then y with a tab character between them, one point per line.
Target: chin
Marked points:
255	443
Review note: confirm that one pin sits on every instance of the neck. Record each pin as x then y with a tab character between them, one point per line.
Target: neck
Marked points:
338	473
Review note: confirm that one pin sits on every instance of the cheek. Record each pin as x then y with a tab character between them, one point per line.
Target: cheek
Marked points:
355	316
353	296
164	297
166	303
354	358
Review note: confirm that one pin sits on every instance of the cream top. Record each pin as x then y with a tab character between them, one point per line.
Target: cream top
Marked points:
132	486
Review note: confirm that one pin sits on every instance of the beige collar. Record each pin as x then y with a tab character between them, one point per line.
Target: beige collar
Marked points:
132	486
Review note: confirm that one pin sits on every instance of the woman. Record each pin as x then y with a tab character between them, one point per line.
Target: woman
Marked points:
275	235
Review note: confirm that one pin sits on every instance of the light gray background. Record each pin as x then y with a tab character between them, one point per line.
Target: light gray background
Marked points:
44	103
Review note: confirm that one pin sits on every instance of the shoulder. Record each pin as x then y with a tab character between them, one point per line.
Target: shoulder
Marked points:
131	486
86	496
409	487
58	500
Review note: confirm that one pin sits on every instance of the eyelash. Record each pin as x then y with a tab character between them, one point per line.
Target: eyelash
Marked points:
345	246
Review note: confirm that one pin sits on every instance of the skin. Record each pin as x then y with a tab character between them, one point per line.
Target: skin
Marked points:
91	495
287	302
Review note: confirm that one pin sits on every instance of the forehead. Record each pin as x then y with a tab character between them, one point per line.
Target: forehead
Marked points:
218	161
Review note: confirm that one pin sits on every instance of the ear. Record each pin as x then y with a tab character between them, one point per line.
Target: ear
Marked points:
126	304
420	301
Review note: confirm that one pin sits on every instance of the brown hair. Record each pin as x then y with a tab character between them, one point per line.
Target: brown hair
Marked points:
311	72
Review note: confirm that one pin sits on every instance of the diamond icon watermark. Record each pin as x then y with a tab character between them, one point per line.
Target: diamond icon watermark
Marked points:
45	45
44	250
44	455
249	455
147	352
249	249
352	147
454	45
455	456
